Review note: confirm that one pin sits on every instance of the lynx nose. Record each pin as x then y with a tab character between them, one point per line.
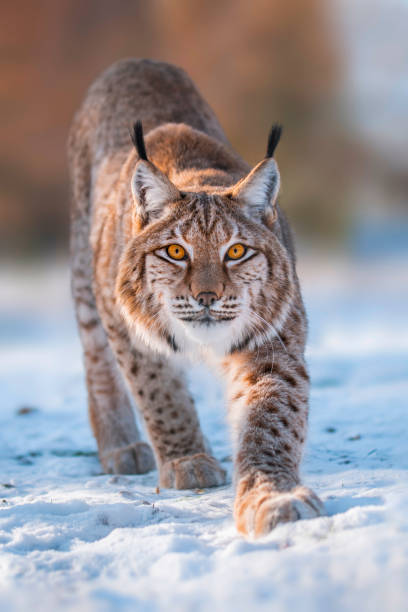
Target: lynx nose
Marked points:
206	298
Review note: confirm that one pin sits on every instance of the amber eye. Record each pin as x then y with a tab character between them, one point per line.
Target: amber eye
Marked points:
236	251
175	251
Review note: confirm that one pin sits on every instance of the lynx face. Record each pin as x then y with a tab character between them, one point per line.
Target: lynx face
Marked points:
204	269
205	274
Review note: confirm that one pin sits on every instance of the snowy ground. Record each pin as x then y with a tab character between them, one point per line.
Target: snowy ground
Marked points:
72	538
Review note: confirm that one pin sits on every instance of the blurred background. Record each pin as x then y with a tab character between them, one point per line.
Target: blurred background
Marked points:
334	72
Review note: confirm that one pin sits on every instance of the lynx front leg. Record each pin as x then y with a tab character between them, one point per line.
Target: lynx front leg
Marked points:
170	416
269	414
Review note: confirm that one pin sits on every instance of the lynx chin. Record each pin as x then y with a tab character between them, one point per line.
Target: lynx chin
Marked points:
180	251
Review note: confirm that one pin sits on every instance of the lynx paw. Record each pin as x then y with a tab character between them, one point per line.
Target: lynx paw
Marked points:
192	472
136	458
260	509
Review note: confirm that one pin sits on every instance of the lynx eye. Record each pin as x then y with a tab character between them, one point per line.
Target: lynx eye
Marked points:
236	251
175	251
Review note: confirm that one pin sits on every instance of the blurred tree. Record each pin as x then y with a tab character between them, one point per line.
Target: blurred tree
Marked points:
256	62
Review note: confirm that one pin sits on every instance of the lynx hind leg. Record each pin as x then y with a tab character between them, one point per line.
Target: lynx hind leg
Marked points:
121	450
110	411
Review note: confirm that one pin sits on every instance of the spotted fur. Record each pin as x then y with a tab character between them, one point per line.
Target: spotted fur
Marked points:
141	314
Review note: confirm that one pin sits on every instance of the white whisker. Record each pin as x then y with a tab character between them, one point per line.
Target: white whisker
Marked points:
270	325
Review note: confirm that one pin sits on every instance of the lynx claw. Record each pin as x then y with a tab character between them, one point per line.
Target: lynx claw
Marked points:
192	472
258	511
135	458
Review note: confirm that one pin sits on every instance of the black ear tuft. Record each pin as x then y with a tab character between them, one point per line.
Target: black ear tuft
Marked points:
138	140
273	140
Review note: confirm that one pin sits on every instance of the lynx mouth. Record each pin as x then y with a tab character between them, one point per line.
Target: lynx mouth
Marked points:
209	329
207	319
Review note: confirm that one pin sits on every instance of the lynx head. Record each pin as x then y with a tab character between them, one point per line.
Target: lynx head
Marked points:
204	269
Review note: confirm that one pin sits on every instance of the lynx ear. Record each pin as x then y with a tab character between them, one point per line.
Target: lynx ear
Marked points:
259	189
151	189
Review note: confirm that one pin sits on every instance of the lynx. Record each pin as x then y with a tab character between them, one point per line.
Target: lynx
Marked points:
180	251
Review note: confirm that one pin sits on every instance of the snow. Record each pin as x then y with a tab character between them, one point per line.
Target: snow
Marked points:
72	538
